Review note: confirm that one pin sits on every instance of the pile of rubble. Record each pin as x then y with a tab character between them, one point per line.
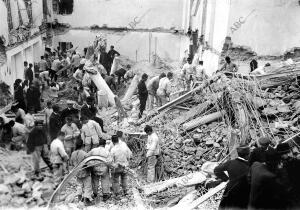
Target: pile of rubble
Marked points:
18	187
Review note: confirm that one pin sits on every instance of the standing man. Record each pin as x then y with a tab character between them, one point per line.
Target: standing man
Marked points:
111	55
120	155
104	61
58	155
143	94
253	65
71	133
236	193
54	122
229	66
153	151
70	111
164	89
29	74
37	146
90	133
56	64
42	65
100	171
152	90
187	73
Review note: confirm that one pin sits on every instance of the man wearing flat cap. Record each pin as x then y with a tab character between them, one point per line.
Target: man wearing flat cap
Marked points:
290	174
236	193
258	154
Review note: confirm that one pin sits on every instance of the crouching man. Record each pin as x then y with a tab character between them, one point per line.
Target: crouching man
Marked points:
100	171
120	156
83	176
58	155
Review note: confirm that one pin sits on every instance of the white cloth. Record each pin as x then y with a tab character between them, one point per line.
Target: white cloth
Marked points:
55	64
19	130
29	120
259	71
164	87
58	153
53	93
153	145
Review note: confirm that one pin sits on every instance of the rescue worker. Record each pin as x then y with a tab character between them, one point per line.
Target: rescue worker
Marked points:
58	156
229	66
37	146
266	191
236	193
69	111
55	123
83	176
188	74
71	133
20	134
100	171
143	94
90	133
120	157
152	87
153	152
20	114
164	89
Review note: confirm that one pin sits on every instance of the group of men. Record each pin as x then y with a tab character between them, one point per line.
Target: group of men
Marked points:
266	178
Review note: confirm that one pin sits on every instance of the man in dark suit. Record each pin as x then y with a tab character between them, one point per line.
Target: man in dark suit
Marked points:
267	192
258	154
236	193
55	123
143	94
89	110
69	111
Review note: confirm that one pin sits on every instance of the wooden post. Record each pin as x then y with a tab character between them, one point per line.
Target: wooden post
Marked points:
155	49
136	56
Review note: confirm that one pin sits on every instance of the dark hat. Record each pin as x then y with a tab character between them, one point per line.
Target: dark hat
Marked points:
264	141
283	148
243	150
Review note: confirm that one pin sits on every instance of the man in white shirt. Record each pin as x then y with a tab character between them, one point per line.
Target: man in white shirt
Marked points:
71	133
153	151
20	134
152	87
188	74
91	132
164	89
120	156
58	155
200	72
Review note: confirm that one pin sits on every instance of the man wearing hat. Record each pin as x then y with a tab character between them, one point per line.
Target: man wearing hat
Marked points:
267	191
258	154
290	174
236	193
70	111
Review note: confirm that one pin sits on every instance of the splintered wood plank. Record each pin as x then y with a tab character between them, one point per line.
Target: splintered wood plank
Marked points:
197	110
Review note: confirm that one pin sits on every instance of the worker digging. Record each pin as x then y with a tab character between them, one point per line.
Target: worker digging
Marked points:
177	112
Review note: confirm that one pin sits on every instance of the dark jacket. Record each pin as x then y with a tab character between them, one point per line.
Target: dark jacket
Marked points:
253	65
121	72
55	125
68	112
29	74
90	112
37	137
142	90
110	81
258	155
111	54
33	98
236	193
19	97
104	60
266	191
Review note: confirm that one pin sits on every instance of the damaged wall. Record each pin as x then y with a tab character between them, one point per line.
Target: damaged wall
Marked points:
271	29
169	45
119	13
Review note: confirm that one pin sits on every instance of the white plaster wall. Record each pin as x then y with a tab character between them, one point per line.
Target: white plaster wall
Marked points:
119	13
169	46
3	21
273	28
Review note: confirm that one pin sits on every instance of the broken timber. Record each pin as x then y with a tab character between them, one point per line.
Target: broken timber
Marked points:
199	109
203	120
184	181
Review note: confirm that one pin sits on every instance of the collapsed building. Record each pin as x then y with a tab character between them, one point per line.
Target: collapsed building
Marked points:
200	127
